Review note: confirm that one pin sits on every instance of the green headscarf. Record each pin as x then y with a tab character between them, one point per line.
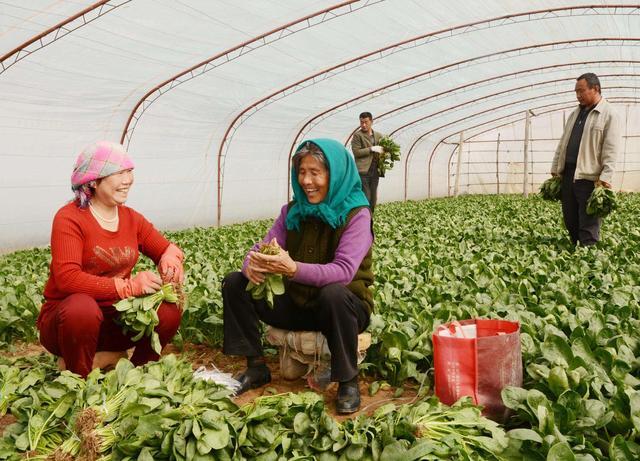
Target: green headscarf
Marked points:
345	189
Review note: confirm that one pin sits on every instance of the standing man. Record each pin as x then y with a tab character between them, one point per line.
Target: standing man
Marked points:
586	157
366	150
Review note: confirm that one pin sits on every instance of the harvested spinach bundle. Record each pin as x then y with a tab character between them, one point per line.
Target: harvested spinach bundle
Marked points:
390	154
551	189
140	315
273	283
601	202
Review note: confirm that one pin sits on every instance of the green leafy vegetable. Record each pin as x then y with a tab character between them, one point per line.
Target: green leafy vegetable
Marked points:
485	256
160	411
551	189
390	154
601	202
273	284
140	315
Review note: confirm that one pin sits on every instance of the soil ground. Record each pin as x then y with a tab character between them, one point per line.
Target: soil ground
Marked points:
200	355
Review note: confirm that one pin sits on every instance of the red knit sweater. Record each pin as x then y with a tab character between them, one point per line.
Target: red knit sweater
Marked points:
85	257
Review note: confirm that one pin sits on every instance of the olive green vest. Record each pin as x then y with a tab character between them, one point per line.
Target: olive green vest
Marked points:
316	243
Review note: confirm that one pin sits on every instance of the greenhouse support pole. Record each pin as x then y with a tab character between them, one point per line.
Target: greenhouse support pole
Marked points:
624	154
498	165
456	189
525	179
531	158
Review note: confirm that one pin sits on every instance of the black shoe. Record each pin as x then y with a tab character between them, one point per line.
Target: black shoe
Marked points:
348	399
252	378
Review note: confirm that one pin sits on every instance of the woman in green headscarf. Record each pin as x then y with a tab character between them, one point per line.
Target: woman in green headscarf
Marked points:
324	237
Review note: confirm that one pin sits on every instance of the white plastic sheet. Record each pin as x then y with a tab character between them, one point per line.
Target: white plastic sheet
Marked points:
295	70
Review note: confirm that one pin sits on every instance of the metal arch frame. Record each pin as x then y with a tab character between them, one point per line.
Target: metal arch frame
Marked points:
469	27
429	165
409	43
233	53
442	140
477	83
425	39
493	79
567	105
455	66
482	98
614	99
58	31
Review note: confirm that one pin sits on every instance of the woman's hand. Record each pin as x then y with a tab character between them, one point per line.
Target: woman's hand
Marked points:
170	265
141	284
261	264
253	275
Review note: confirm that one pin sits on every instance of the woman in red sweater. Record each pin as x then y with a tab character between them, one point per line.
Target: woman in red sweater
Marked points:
95	243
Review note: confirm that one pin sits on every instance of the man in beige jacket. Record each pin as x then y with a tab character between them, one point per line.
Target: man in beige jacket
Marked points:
586	157
366	151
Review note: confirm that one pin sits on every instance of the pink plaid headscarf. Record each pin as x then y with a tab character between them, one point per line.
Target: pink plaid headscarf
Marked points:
96	161
99	160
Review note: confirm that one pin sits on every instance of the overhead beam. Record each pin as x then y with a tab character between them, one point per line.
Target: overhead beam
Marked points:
233	53
409	153
539	110
60	30
542	47
381	53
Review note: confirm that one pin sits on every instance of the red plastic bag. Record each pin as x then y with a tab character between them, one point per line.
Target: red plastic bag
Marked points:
477	358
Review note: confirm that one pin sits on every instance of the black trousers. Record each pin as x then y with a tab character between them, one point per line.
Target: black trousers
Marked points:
582	227
370	182
338	313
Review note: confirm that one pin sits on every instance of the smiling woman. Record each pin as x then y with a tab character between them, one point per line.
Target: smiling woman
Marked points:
107	194
313	175
95	243
322	242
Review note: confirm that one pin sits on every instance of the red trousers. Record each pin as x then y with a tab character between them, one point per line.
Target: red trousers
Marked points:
77	327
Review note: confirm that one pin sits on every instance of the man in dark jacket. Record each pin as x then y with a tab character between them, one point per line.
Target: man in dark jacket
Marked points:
366	149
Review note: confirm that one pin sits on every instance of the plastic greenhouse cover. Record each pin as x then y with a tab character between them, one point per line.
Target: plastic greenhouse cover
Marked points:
211	97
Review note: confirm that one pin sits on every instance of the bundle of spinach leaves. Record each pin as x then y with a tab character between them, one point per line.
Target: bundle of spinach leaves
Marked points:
551	189
140	314
273	284
389	155
602	202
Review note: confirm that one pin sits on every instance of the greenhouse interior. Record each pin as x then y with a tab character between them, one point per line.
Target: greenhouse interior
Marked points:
367	229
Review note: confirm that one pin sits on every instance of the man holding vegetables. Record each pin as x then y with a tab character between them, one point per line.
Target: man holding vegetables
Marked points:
366	149
585	157
321	245
95	243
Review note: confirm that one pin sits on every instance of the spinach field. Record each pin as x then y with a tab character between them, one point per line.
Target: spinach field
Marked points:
434	261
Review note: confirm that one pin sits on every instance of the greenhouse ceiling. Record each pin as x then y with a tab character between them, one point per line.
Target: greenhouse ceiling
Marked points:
212	97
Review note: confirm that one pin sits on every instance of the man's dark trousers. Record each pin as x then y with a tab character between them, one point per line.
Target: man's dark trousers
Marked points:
370	181
582	227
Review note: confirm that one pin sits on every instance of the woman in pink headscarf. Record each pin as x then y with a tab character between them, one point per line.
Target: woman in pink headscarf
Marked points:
95	243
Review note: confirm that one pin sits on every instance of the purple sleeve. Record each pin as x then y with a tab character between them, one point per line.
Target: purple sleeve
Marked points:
277	231
353	247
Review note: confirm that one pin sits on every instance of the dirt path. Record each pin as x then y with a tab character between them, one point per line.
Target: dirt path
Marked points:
204	356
